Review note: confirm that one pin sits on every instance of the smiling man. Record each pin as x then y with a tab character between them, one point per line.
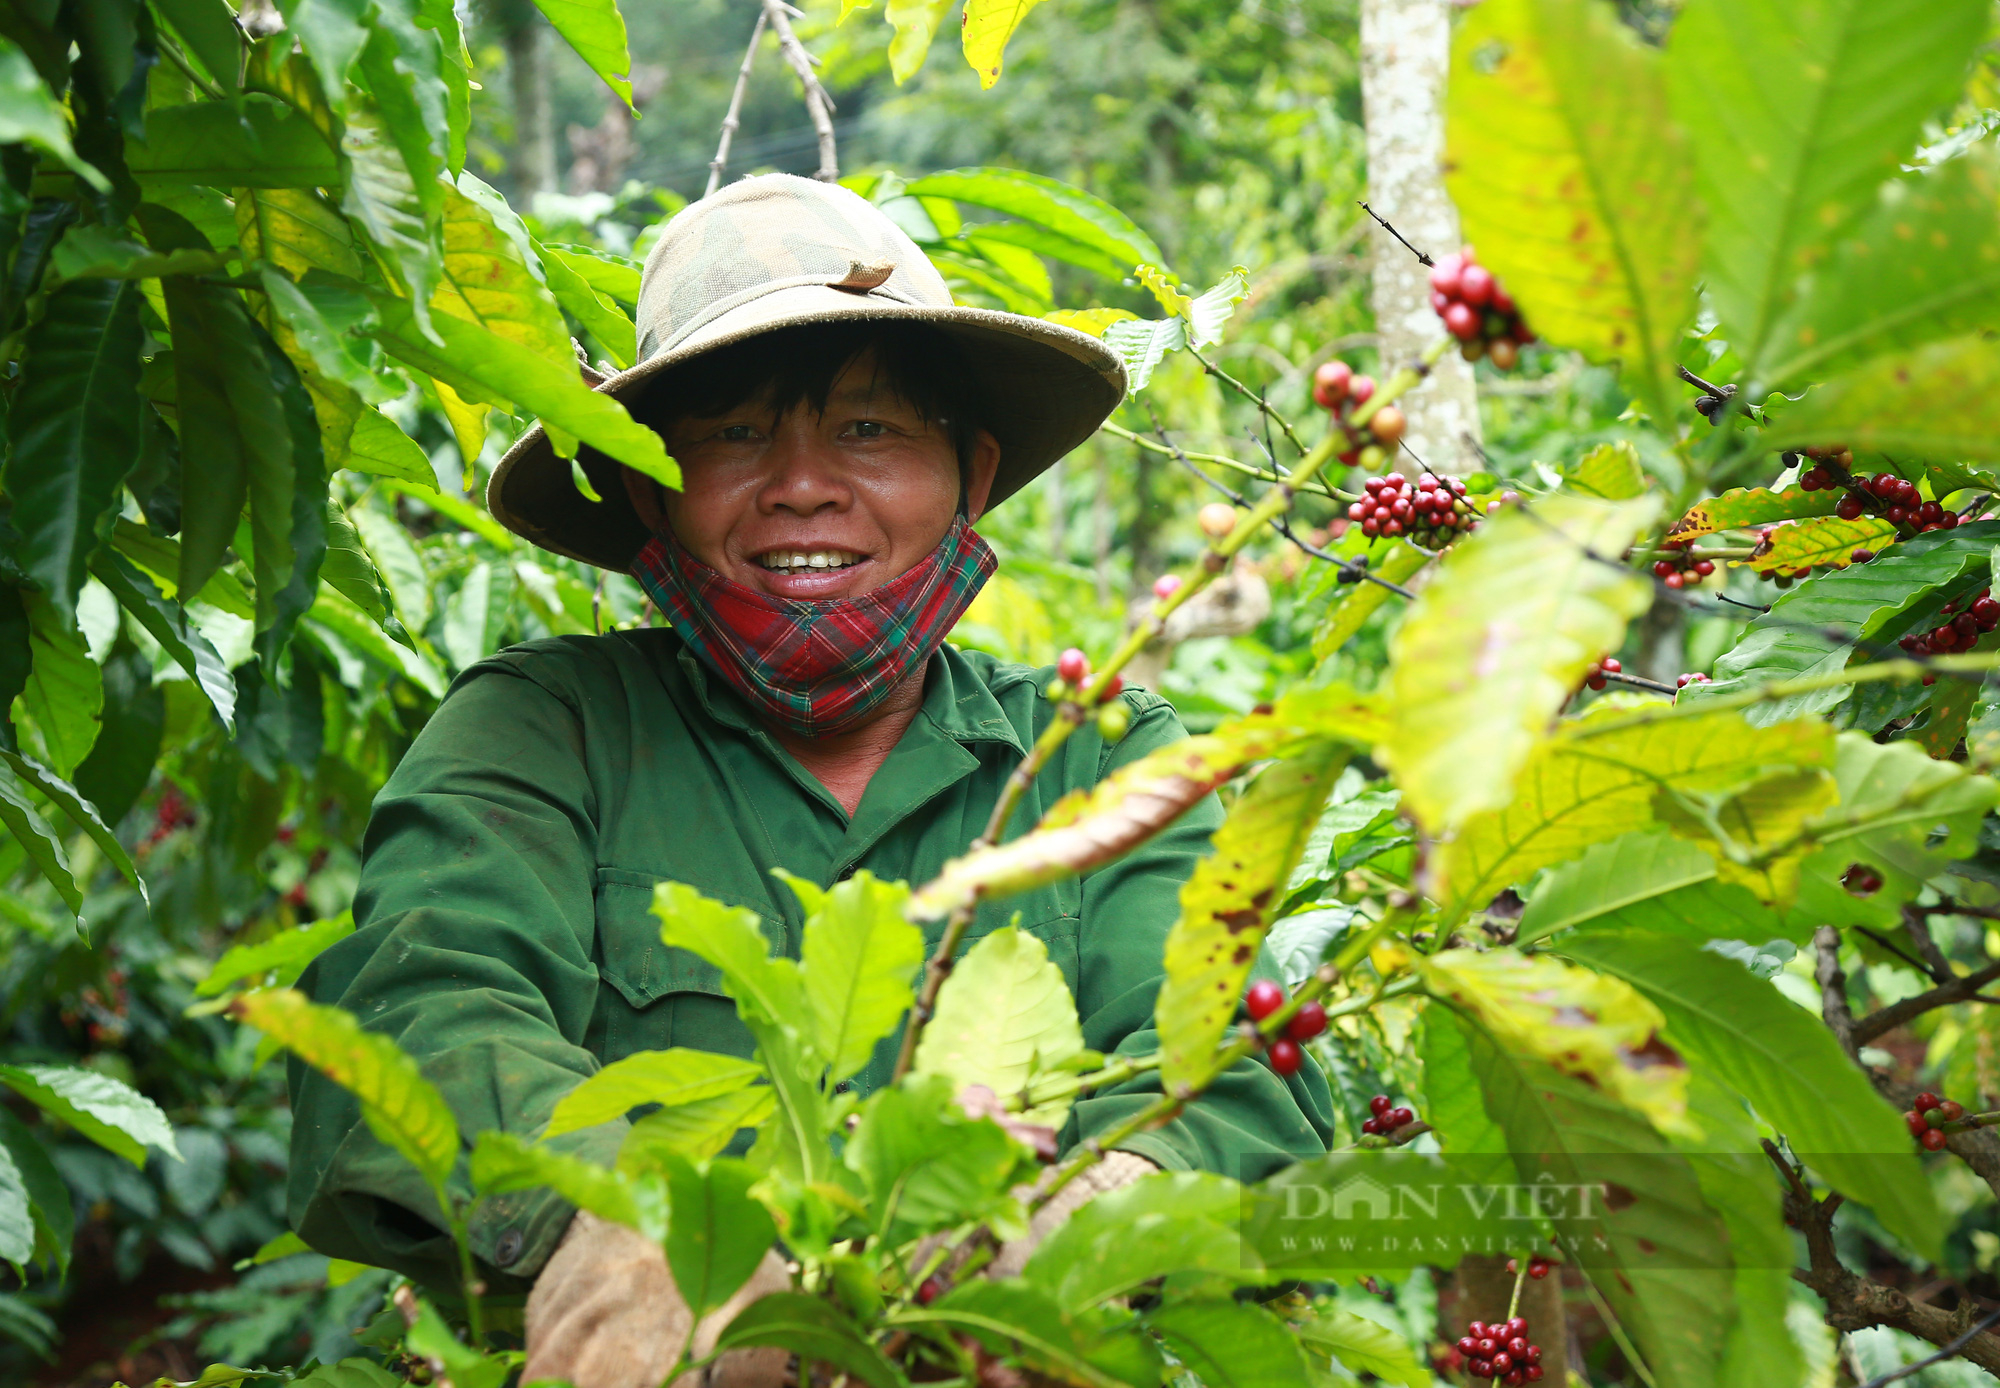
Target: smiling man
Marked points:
840	426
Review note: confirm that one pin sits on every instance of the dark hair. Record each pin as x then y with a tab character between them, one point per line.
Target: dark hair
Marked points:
785	367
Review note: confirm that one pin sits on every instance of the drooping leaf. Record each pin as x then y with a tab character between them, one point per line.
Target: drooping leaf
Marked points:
80	811
696	1130
719	1232
43	848
1781	179
927	1164
398	561
596	30
160	557
96	252
1136	801
109	1112
230	418
1089	1347
1179	1221
29	114
988	24
353	628
670	1078
1228	903
378	447
860	957
1585	787
503	1162
613	276
1231	1344
251	141
403	1109
1482	661
110	780
1003	1015
208	29
65	690
489	278
48	1194
382	201
1747	1034
476	614
284	956
17	1215
812	1328
288	509
1143	344
1581	195
1818	541
403	67
1585	1024
1610	876
1748	506
75	427
167	622
595	310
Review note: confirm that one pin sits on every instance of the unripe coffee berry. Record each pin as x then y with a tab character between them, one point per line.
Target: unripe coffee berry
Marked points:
1286	1057
1113	719
1072	666
1387	424
1264	998
1166	585
1216	519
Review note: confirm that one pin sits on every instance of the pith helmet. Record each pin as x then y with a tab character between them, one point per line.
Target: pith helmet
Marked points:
775	251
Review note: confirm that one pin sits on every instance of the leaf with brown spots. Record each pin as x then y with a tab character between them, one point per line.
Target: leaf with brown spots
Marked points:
1226	907
1821	540
1746	506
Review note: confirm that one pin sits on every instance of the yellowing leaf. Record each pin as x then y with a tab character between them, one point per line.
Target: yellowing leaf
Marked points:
1485	659
669	1078
1089	320
1610	470
914	21
695	1130
1820	540
988	26
1003	1016
1747	506
1584	1024
1166	289
1226	907
1755	833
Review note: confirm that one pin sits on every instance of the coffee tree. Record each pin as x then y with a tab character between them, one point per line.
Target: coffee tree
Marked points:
249	279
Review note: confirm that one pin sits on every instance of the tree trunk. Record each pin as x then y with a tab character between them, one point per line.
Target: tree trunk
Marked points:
1405	53
534	123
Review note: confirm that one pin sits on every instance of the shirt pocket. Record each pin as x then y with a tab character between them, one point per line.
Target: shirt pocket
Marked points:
631	956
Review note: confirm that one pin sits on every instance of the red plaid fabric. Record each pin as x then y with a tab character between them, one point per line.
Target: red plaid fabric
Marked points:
816	667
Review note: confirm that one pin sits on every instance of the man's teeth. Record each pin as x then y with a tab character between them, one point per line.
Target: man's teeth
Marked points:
809	559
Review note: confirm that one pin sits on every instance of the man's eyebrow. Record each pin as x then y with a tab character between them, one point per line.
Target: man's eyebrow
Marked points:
864	394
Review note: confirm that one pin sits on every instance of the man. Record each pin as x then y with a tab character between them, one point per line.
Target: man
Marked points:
839	424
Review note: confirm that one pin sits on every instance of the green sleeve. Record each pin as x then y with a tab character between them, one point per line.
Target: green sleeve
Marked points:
472	951
1251	1121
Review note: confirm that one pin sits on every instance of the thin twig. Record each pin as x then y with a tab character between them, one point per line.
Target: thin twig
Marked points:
729	121
1947	1352
1254	397
1893	948
1422	259
1833	990
1317	488
818	104
1638	682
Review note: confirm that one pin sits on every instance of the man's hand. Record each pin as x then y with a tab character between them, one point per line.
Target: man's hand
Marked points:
605	1313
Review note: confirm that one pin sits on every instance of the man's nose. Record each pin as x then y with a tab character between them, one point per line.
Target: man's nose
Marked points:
803	473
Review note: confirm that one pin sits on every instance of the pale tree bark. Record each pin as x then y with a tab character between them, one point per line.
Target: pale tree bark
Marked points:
534	122
1405	53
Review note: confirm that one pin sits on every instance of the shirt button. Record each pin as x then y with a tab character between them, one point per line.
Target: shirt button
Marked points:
508	1249
845	873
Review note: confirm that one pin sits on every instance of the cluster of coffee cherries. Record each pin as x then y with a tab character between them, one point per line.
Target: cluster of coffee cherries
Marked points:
1266	997
1432	511
173	812
1073	672
1594	676
1926	1120
1677	567
1337	388
1502	1350
1477	311
1386	1117
1897	501
1683	681
1538	1268
1961	632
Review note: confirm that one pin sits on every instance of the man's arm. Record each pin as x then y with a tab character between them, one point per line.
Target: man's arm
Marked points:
475	917
1252	1121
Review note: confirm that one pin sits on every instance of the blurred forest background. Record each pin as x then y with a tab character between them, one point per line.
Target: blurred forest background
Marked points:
1230	130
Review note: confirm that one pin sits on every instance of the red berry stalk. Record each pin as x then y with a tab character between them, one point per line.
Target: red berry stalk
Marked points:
1477	311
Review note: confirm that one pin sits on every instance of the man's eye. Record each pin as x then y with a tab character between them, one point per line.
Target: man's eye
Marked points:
736	433
870	428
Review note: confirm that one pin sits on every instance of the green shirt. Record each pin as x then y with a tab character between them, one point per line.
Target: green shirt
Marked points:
504	937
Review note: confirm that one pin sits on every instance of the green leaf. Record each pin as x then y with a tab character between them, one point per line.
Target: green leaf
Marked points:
1749	506
987	26
288	509
1482	662
1610	471
1003	1015
403	67
1782	179
596	311
1143	344
75	429
465	1366
403	1109
384	203
207	29
1903	812
17	1216
110	780
1611	876
476	615
719	1232
1862	602
160	557
1757	833
30	115
1868	406
65	691
327	323
1227	906
860	958
283	1246
697	1130
96	252
1591	1026
229	417
1179	1221
1398	563
350	625
596	30
914	21
1744	1032
252	141
1094	1348
483	366
48	1194
1575	184
504	1162
1702	911
398	561
1456	1109
1135	802
283	957
1362	1346
926	1164
81	812
669	1078
613	276
815	1331
1663	1259
168	623
1585	787
109	1112
349	1373
24	821
379	447
491	276
348	568
1231	1344
1046	204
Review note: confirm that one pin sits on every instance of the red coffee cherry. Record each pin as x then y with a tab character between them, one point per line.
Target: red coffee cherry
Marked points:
1330	384
1309	1021
1264	998
1934	1139
1286	1057
1072	666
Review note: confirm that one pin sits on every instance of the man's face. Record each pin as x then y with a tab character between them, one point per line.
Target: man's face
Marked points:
816	506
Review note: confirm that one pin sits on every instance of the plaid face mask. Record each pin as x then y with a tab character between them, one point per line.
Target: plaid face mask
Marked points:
816	666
